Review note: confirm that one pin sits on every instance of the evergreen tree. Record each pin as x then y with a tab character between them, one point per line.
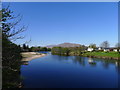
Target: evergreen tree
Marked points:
10	52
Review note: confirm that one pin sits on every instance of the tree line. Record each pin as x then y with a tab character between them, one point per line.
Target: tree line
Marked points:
68	50
26	48
77	51
104	44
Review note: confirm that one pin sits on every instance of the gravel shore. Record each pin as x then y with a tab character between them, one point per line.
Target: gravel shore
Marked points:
28	56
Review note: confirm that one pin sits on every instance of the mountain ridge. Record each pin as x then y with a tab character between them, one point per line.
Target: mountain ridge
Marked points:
66	44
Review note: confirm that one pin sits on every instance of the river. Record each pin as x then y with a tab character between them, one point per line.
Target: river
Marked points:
53	71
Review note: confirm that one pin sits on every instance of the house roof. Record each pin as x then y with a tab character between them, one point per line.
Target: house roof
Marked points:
106	48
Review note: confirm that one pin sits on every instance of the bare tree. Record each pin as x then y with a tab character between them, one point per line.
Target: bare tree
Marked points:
10	24
105	44
117	45
92	46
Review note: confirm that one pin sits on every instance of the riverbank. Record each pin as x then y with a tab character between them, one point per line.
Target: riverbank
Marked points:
95	54
102	55
28	56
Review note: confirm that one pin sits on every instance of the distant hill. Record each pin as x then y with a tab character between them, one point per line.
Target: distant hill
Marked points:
64	45
50	46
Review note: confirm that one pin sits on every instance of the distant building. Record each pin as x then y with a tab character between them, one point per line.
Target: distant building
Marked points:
115	49
100	48
90	49
106	49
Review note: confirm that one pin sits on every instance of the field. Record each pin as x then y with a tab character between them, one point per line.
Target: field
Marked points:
103	54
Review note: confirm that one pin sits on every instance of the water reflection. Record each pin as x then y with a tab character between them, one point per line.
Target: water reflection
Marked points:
78	59
118	66
61	58
45	52
93	62
70	72
24	62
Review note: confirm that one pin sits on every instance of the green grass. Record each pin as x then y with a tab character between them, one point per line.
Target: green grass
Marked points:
103	54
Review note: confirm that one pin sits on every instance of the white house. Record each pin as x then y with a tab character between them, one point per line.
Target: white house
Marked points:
106	49
99	48
90	49
115	50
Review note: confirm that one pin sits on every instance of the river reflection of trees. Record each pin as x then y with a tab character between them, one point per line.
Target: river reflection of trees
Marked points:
80	60
83	61
95	61
61	58
118	66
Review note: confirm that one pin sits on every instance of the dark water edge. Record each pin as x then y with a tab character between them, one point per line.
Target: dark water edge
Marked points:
53	71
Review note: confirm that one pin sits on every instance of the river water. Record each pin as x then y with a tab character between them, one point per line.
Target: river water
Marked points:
53	71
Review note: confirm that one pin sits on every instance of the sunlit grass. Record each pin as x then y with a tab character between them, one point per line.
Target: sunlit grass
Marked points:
105	54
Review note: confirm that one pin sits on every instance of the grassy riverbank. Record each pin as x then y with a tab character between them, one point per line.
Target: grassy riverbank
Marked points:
80	51
106	55
109	54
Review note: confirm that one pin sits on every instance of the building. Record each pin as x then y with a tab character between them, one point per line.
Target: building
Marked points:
115	50
90	49
106	49
100	48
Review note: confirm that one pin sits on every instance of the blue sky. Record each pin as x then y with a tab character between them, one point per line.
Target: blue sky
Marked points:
55	23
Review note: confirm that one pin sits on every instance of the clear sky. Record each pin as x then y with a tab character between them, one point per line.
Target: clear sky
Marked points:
55	23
